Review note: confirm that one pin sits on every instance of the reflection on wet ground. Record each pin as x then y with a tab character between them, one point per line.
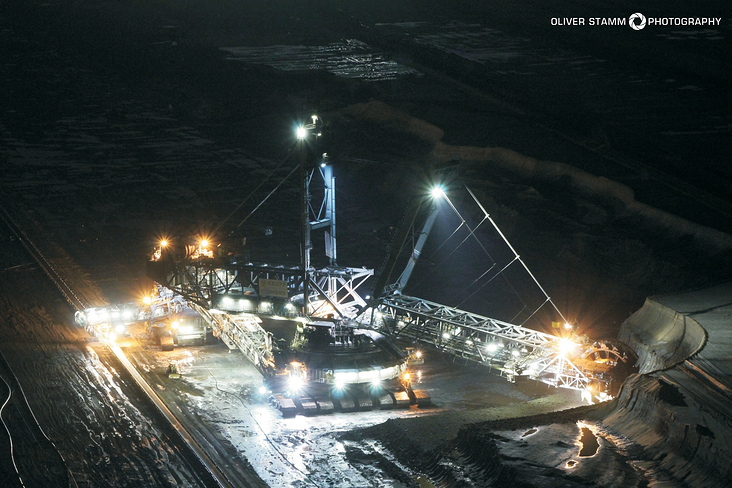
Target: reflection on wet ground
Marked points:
349	59
589	442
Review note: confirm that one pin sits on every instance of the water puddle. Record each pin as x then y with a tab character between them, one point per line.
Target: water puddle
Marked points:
348	59
588	439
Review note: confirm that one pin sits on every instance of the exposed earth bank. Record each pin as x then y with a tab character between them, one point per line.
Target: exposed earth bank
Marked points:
670	425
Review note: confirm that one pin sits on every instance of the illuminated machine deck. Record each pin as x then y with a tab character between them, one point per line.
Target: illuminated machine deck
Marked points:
246	304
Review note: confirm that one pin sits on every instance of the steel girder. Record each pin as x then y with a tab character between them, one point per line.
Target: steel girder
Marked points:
337	287
200	280
467	321
242	332
519	351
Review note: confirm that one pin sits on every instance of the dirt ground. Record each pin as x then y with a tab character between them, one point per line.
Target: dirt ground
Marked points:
126	121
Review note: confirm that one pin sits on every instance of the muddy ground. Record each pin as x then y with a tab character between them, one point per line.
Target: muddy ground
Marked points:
123	122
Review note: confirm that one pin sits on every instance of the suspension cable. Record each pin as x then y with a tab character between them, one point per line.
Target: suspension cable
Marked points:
253	191
472	233
439	265
269	195
548	298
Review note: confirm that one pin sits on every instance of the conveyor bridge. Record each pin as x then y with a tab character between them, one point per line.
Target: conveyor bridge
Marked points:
515	350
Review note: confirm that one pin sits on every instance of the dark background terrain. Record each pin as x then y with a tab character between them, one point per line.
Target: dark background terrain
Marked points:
124	121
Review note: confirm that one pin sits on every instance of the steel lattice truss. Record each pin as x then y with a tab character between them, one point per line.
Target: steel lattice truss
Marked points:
516	350
333	289
202	280
336	291
242	332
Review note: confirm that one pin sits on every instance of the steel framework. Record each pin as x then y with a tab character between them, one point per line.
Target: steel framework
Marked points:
515	350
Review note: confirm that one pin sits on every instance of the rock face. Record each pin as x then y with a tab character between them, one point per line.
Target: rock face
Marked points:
678	410
661	336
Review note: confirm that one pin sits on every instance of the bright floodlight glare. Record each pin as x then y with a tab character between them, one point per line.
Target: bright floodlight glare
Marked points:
339	383
262	390
295	382
147	300
163	243
204	243
301	132
376	382
566	346
437	192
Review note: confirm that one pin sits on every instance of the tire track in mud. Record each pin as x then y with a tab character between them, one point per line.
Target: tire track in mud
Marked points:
87	407
103	426
35	459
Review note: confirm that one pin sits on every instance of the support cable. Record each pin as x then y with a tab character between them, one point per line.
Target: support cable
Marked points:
486	283
439	265
252	192
446	240
548	298
269	195
472	233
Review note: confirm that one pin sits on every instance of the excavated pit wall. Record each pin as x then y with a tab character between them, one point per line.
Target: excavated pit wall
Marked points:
672	410
661	336
675	411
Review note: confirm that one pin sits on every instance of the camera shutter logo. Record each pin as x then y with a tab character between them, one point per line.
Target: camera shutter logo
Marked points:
637	21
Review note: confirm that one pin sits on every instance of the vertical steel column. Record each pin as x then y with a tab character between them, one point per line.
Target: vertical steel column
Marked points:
304	228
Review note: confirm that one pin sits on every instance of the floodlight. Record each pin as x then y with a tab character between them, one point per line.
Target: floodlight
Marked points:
296	382
301	132
566	346
437	192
